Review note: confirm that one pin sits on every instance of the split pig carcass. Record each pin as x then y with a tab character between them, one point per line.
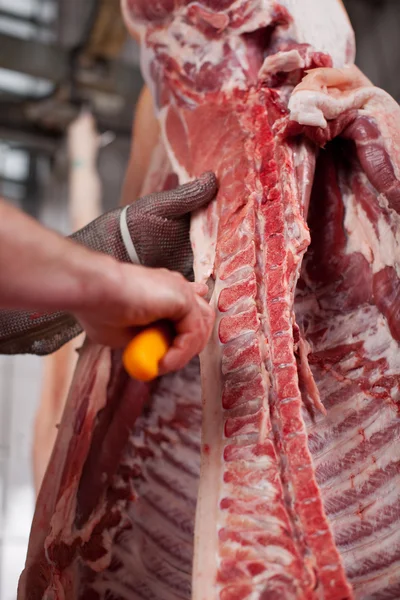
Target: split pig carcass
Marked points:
272	470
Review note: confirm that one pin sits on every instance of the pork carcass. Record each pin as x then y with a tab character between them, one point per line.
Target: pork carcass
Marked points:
295	480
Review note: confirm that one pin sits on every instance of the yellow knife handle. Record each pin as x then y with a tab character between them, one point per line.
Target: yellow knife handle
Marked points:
143	354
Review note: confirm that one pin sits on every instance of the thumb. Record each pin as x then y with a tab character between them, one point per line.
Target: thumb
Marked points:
184	199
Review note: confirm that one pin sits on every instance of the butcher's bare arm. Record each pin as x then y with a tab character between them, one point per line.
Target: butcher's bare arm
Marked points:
40	269
43	271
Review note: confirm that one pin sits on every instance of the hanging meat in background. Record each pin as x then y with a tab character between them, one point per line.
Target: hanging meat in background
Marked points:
84	206
145	137
297	495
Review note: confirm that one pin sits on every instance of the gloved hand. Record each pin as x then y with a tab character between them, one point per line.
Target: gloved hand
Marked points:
156	225
154	231
160	224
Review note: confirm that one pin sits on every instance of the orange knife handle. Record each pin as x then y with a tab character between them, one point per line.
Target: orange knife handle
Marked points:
144	353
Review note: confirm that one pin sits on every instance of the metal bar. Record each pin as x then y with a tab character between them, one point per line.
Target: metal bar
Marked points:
51	62
31	199
45	61
33	20
4	179
27	130
47	144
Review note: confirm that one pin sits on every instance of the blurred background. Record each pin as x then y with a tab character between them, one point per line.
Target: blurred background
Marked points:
57	56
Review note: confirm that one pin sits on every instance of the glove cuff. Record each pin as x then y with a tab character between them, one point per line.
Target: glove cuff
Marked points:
127	238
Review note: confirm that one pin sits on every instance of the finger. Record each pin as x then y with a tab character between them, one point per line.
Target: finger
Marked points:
160	241
190	344
200	288
193	334
184	199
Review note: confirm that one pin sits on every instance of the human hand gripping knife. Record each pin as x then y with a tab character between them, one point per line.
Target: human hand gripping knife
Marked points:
152	231
144	353
142	356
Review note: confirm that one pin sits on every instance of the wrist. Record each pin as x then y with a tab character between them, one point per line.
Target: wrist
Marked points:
96	283
86	280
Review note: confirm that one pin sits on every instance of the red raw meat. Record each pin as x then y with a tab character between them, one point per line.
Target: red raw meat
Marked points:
297	494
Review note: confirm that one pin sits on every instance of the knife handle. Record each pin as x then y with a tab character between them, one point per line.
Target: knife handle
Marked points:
144	352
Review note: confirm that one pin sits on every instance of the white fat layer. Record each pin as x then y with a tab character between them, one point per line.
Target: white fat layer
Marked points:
379	343
207	512
281	62
325	26
316	107
381	249
204	245
368	326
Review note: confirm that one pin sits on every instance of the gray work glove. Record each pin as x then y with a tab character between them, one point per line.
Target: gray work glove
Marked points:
153	231
157	226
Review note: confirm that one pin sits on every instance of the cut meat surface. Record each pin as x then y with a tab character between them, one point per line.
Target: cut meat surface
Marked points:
356	366
292	490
